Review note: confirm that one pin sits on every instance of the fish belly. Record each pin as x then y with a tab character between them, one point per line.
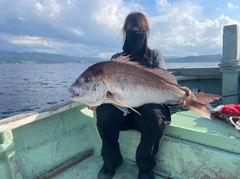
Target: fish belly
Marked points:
145	96
135	90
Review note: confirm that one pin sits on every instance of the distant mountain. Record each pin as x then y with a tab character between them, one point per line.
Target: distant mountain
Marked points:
194	59
34	57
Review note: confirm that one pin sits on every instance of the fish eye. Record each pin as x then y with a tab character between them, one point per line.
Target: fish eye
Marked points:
86	79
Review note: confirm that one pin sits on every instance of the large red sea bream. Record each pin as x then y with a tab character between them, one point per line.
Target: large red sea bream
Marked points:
128	84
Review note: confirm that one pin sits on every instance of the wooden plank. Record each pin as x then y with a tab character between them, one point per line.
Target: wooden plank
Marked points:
66	165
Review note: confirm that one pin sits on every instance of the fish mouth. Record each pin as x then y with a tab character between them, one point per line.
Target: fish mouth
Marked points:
74	94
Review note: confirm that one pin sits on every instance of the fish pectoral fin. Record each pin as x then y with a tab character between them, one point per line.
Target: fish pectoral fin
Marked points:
123	109
124	104
110	95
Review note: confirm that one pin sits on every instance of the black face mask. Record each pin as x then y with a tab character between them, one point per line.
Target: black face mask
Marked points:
135	43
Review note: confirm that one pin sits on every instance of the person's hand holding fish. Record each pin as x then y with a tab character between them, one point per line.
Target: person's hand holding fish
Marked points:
183	102
93	107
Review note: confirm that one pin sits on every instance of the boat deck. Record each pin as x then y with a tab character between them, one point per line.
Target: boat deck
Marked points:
194	140
89	168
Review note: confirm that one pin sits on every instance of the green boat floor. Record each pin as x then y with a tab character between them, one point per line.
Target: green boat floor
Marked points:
212	132
89	168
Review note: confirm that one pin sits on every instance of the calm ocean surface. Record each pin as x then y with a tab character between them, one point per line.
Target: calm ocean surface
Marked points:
26	88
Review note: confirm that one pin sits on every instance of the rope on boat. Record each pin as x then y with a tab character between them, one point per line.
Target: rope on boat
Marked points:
236	125
230	66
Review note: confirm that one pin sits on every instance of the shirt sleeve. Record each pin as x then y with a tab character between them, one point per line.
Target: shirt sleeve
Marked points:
157	60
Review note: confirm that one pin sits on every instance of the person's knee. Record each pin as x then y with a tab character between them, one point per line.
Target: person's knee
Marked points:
150	107
106	113
153	110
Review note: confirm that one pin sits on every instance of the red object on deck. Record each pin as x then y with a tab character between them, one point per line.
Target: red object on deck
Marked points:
229	113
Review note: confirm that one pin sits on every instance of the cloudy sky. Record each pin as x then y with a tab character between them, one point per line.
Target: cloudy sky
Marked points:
93	27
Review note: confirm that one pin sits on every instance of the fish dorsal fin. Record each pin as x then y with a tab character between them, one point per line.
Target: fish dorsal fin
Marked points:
122	58
165	75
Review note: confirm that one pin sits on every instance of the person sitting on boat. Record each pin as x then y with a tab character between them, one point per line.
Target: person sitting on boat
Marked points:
154	117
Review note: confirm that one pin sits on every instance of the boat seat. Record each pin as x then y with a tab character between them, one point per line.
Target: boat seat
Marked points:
188	125
188	143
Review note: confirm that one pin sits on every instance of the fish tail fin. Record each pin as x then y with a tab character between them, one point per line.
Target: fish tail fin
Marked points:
199	102
200	109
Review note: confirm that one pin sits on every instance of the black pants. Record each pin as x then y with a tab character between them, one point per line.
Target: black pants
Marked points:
111	120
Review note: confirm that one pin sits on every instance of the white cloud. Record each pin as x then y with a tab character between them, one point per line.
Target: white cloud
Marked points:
232	6
181	29
22	19
111	14
105	54
27	40
76	31
39	6
50	7
109	17
41	44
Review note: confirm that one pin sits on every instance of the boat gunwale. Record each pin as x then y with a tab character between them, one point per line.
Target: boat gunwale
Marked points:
23	119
